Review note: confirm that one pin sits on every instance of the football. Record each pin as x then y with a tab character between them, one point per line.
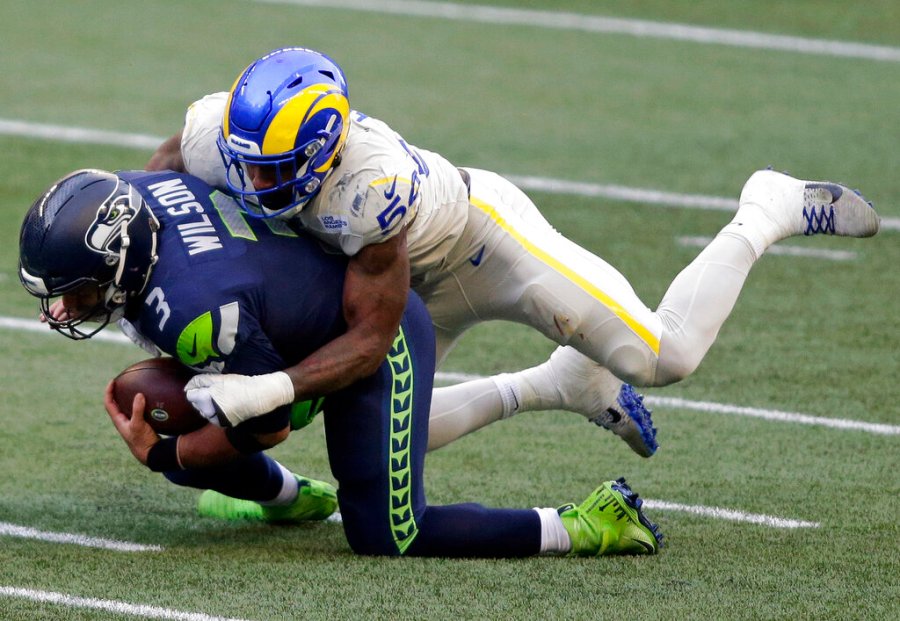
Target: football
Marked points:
161	380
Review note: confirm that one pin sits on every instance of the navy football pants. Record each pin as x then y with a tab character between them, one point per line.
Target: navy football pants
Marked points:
377	436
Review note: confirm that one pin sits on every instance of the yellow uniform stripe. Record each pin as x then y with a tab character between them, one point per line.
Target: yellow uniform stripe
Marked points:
645	334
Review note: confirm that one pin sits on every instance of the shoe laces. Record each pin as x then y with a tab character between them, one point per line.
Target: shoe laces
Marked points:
819	222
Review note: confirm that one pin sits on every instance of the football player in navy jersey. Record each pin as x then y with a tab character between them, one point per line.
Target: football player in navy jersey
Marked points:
183	270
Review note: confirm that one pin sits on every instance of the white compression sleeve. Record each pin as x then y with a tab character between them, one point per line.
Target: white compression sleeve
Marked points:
461	409
698	302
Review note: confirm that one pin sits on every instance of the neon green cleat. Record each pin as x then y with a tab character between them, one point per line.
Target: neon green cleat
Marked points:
610	521
316	500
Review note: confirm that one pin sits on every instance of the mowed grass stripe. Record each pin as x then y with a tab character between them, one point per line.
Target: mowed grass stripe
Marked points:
561	20
648	196
671	402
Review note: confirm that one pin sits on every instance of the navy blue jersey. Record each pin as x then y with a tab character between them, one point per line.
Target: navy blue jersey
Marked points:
231	293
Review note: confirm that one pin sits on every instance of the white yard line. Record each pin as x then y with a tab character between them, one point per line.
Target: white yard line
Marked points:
622	193
780	250
731	515
559	20
774	415
451	377
25	532
82	135
31	325
108	605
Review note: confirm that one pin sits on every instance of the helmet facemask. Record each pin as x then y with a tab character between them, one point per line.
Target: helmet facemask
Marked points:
294	176
109	307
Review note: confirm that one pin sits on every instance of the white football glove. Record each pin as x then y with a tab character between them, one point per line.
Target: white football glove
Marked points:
228	400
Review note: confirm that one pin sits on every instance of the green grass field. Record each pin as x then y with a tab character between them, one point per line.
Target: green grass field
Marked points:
810	336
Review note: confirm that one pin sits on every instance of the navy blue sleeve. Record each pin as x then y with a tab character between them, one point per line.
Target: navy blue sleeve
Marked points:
254	354
224	339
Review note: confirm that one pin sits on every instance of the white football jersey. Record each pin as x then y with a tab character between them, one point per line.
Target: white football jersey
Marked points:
380	185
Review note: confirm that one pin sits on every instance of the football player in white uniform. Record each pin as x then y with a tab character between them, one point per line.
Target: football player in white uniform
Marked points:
285	141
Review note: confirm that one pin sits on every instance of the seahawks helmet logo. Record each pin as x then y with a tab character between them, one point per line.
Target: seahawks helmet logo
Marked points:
109	224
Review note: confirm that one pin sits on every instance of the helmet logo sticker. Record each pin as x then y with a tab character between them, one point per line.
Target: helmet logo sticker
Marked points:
107	224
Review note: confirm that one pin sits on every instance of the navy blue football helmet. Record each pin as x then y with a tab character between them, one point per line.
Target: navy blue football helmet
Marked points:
88	228
288	111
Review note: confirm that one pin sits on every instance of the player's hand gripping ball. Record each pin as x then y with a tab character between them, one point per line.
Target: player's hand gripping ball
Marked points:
161	380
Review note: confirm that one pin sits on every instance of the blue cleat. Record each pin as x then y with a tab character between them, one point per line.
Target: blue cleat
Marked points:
581	385
630	419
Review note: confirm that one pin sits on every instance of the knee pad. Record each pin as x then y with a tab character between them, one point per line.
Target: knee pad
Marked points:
676	361
634	364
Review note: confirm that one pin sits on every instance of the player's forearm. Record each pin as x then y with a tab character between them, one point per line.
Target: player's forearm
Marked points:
338	364
373	307
212	446
375	292
208	446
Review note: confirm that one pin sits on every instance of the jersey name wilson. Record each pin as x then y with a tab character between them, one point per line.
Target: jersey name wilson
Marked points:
197	233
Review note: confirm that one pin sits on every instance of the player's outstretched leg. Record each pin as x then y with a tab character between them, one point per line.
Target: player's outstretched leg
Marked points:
571	381
775	206
610	521
316	500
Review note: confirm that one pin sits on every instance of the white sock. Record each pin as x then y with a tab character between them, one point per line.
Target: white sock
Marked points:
762	216
740	228
289	490
510	394
554	536
535	391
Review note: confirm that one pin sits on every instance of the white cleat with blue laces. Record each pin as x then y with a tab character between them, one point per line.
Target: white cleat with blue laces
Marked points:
774	206
591	390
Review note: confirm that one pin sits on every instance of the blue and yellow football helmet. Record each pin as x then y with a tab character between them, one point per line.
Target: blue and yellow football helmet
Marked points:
287	113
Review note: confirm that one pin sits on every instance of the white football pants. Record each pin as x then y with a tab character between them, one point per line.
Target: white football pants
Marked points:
511	264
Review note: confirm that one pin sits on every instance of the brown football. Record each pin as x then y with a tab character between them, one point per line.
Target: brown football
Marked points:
161	380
